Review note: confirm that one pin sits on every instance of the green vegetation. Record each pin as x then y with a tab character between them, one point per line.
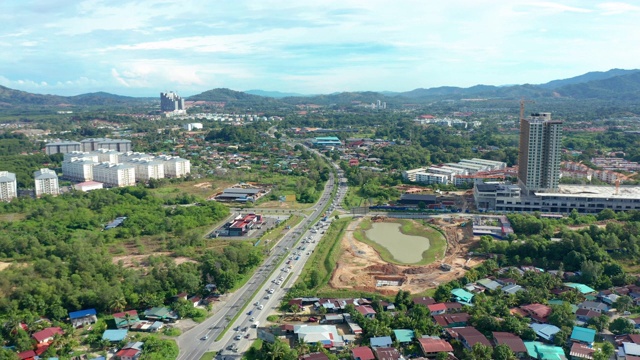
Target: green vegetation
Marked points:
172	332
251	354
159	349
208	355
437	241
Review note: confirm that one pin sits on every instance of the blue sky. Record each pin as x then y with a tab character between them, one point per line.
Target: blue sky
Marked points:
142	47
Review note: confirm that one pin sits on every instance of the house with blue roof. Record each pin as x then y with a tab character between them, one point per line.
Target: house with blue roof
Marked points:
462	296
584	289
115	335
404	335
583	335
83	317
381	341
545	331
538	350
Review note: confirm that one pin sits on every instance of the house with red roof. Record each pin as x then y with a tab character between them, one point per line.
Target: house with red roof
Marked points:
538	312
431	346
514	343
362	353
470	336
128	354
437	308
423	300
314	356
452	320
386	353
367	311
46	336
27	355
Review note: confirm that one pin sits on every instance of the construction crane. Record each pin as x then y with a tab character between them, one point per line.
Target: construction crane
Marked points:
522	102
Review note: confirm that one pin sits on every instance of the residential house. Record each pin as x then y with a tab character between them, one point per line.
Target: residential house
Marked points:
27	355
126	319
82	317
514	343
325	334
367	311
470	336
583	335
437	309
594	306
314	356
629	350
538	312
381	341
538	350
580	351
453	307
462	296
489	284
609	299
386	353
452	320
582	288
431	346
404	335
45	336
114	335
131	351
545	331
423	300
585	315
195	300
333	319
362	353
161	314
512	289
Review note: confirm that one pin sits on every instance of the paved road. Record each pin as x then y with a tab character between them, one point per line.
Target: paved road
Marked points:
195	342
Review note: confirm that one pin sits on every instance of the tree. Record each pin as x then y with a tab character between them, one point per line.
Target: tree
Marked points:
479	352
623	303
442	356
561	315
503	352
600	322
591	271
621	326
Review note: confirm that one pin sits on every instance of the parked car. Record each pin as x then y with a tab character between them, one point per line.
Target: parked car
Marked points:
312	319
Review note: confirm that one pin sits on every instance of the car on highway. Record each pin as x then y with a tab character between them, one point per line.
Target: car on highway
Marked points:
247	336
256	303
252	319
270	291
267	297
260	307
238	337
206	337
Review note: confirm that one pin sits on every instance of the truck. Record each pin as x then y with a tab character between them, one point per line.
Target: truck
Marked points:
256	324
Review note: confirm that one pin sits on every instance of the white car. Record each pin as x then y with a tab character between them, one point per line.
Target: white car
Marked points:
260	307
238	337
271	291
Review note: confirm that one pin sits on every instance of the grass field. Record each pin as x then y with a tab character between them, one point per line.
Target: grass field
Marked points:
408	227
327	252
352	199
200	188
12	217
208	355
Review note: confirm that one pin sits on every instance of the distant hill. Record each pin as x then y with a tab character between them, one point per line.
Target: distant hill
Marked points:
590	76
17	97
11	97
624	87
343	98
234	98
104	98
478	91
272	94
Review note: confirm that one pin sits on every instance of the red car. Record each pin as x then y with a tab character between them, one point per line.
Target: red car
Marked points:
312	319
247	336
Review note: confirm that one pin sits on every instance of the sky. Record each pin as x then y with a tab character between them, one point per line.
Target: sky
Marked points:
143	47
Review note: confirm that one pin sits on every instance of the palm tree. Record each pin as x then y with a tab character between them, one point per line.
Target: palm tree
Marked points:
276	350
128	317
118	303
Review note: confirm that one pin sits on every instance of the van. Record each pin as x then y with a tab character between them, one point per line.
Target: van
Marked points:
256	324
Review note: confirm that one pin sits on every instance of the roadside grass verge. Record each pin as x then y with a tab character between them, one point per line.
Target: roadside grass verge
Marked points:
437	241
352	199
208	355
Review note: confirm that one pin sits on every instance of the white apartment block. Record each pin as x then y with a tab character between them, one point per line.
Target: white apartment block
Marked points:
130	155
492	164
115	175
81	155
107	155
193	126
147	169
78	169
431	178
410	175
539	155
8	186
46	182
175	166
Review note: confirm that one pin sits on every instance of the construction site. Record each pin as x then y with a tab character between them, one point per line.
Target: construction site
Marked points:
360	267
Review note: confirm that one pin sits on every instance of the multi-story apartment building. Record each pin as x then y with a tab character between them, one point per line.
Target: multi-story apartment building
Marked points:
93	144
175	166
107	155
81	155
431	178
8	186
46	182
114	175
171	101
62	147
78	169
130	155
192	126
147	169
539	157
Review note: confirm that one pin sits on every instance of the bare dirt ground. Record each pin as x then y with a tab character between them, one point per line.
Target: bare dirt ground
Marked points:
140	261
4	265
360	266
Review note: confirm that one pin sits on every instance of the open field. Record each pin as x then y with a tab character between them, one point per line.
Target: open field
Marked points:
141	261
200	188
360	266
402	241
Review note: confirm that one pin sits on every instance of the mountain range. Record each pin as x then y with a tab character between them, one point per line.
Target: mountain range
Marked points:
616	84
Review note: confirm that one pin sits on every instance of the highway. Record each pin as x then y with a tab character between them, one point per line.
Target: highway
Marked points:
201	339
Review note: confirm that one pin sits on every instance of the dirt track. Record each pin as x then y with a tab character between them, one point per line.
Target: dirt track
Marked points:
360	266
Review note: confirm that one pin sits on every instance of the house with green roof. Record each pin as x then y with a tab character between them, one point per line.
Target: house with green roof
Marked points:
582	335
403	335
584	289
540	351
462	296
161	314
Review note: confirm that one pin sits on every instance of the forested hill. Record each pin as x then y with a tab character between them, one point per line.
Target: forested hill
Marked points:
235	98
10	97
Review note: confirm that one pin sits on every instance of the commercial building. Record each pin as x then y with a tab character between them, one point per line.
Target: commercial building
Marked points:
46	182
62	147
327	141
8	186
115	175
88	186
170	101
539	156
243	224
192	126
147	169
93	144
78	169
174	166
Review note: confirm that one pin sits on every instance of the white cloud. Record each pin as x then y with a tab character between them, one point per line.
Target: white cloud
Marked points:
616	8
558	7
